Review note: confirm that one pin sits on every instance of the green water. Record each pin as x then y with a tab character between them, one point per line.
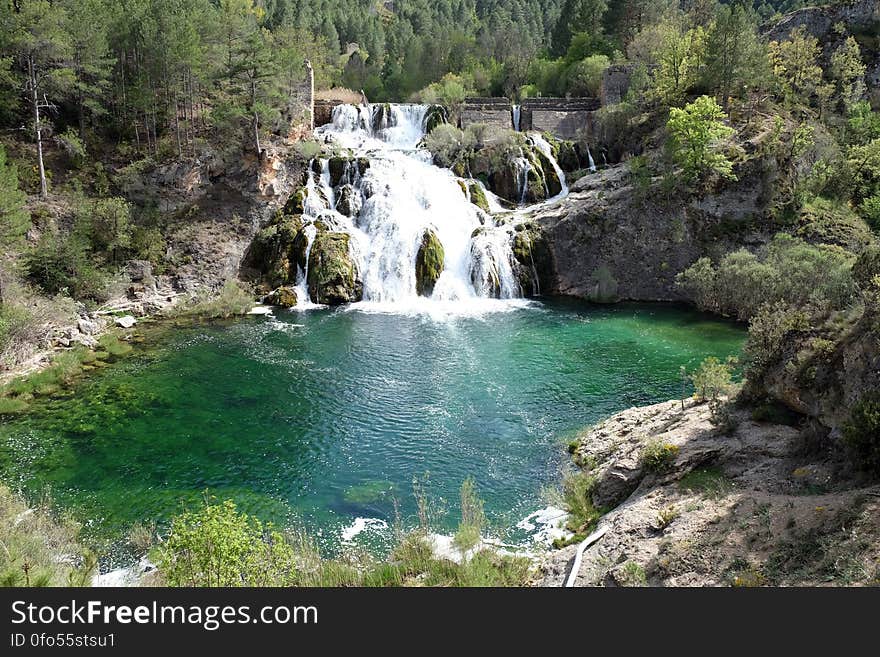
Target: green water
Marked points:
323	417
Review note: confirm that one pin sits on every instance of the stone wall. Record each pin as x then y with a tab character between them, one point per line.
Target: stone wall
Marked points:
561	117
301	105
491	111
615	84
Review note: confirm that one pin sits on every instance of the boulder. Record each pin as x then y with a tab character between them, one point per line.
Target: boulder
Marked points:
430	261
88	327
140	271
126	321
283	297
349	201
333	276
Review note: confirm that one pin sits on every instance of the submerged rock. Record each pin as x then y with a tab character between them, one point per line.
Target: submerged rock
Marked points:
333	276
430	261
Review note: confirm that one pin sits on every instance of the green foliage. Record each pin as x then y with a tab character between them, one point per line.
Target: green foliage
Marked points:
848	72
231	300
861	433
769	329
473	518
787	271
219	546
658	457
709	482
37	549
14	219
696	133
577	497
795	66
712	379
449	145
63	265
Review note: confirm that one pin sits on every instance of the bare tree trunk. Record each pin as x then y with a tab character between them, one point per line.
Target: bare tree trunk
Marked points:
256	116
38	129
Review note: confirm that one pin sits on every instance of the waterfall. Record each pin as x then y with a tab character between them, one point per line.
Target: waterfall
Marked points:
592	164
385	193
541	144
377	185
517	117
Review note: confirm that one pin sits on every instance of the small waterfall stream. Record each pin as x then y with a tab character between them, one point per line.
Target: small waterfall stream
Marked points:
389	205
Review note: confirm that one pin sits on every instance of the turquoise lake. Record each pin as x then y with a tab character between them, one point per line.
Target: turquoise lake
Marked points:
324	417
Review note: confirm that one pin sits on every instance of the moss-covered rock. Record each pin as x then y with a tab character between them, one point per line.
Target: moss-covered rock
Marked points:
333	276
337	167
550	180
436	115
430	261
270	250
534	267
478	196
296	202
283	297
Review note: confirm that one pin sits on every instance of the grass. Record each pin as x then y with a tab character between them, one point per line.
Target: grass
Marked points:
577	497
218	544
708	482
230	301
37	549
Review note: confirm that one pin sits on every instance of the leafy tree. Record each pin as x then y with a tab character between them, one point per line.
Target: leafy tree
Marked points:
735	57
14	219
696	132
40	45
795	65
848	72
584	16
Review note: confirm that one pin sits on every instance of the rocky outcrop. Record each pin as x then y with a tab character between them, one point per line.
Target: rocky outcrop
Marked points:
732	506
283	297
333	276
430	261
610	241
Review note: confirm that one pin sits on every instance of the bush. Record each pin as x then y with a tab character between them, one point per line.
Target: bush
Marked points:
658	457
787	271
713	379
696	133
449	145
219	546
862	433
584	78
768	332
62	265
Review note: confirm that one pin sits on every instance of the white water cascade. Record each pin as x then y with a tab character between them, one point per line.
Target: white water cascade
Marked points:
389	196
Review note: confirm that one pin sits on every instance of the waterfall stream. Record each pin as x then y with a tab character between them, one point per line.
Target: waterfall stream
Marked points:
389	196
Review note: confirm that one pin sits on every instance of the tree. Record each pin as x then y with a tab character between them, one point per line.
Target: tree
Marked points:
795	67
578	16
848	72
40	44
14	219
696	132
735	57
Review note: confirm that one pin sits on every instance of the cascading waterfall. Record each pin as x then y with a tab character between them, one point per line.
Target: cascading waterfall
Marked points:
384	192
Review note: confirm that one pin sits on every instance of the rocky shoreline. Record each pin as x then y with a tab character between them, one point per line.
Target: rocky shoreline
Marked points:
744	504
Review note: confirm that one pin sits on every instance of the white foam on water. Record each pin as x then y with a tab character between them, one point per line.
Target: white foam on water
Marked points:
360	525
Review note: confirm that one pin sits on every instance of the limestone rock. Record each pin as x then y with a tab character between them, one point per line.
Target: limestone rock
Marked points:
126	321
333	276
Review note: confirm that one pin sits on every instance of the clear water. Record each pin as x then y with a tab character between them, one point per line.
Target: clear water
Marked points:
324	417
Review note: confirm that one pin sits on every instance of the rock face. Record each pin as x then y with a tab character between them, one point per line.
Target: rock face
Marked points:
608	241
429	263
277	250
333	276
733	506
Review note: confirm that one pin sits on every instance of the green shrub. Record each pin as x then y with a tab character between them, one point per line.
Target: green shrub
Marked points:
63	265
713	379
577	496
696	133
219	546
862	433
449	145
473	518
658	457
788	270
